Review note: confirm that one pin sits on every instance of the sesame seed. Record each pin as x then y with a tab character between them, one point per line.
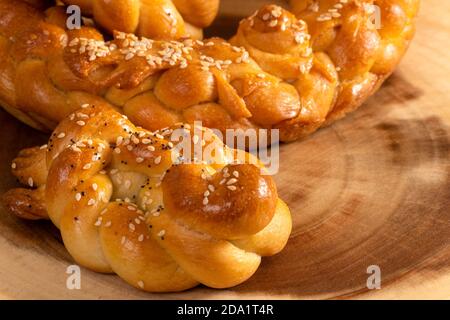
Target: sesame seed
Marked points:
141	238
108	224
122	241
232	188
236	174
43	147
135	140
87	166
13	165
30	182
162	233
81	123
78	196
84	106
141	284
61	135
98	223
94	186
156	213
132	227
139	160
158	160
91	202
232	181
82	115
205	201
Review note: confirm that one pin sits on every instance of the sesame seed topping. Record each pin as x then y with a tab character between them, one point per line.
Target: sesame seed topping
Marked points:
30	182
91	202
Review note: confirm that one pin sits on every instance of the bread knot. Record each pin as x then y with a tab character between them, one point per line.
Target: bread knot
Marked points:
135	203
292	54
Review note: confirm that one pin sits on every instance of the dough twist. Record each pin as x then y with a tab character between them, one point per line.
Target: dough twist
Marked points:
156	19
124	205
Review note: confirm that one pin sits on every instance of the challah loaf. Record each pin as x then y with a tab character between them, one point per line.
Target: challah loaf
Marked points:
156	19
278	72
131	202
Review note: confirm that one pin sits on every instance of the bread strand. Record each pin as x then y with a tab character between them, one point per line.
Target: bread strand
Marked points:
156	19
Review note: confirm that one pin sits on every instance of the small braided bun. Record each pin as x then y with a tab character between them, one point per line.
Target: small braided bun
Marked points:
133	202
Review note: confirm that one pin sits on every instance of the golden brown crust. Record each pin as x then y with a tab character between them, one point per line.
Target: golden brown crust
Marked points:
323	66
26	203
156	19
125	204
229	214
345	56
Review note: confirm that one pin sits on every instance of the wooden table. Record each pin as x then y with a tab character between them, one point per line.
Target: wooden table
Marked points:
373	189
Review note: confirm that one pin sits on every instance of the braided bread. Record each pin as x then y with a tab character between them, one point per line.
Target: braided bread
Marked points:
157	19
317	72
173	225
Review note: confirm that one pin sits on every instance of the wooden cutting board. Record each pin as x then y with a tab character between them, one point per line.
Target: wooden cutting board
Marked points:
373	189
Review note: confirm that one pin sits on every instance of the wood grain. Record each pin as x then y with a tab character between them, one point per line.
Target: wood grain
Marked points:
373	189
